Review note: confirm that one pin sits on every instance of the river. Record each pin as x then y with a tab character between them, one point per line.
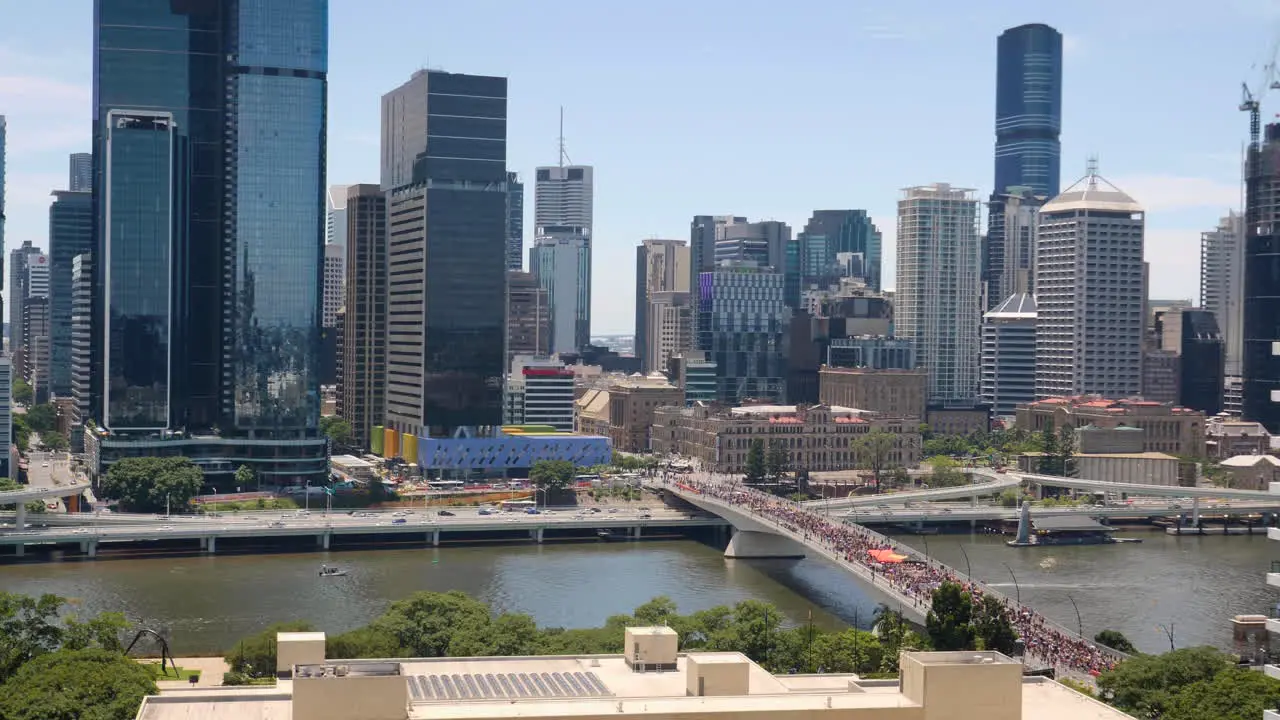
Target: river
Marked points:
205	603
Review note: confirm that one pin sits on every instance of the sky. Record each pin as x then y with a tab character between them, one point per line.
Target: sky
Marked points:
745	107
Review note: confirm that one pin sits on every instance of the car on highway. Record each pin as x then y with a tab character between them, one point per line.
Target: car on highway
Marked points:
485	511
399	521
532	511
276	524
595	509
645	516
613	510
445	513
401	513
166	527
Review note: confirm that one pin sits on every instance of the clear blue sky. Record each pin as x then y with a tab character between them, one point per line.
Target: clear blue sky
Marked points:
748	107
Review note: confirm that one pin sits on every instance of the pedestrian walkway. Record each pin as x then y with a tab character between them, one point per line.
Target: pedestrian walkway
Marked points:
211	670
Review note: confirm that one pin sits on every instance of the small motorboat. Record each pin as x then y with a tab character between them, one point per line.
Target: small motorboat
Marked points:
604	535
326	571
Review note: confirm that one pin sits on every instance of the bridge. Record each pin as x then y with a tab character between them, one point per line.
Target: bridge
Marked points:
401	525
902	514
21	497
994	485
769	527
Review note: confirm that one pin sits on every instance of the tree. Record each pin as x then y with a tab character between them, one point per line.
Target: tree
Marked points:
755	469
1010	498
150	484
950	619
1145	685
77	685
1115	640
42	418
551	475
22	393
21	431
34	506
946	472
1232	694
777	461
337	429
993	626
1067	452
29	628
424	623
871	452
245	477
1049	457
55	441
255	655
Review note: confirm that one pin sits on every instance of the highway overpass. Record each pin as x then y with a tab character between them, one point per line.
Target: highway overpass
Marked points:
901	514
992	485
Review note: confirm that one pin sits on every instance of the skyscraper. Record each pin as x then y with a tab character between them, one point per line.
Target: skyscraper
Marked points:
528	317
444	162
2	246
563	195
742	327
18	258
937	295
363	382
1028	124
1222	284
1028	109
335	211
560	259
1090	292
703	231
209	191
832	232
515	222
1009	354
1008	266
1261	359
80	175
70	234
81	344
661	266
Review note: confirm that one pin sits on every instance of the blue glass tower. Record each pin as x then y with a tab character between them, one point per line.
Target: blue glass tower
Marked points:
1028	109
208	292
70	234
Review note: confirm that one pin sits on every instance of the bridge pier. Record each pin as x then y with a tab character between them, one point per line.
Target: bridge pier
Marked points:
435	537
635	532
211	544
1195	511
19	550
92	549
746	544
323	540
536	534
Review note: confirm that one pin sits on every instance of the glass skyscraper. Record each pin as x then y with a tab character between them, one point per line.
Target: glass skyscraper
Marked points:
1028	109
208	201
70	234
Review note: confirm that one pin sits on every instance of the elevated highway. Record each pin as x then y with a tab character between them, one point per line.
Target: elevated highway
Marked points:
902	514
987	485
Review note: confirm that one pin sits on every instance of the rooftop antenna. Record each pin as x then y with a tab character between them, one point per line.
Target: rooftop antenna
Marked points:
1091	170
564	155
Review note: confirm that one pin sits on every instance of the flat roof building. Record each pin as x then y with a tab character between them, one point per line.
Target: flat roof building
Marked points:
653	680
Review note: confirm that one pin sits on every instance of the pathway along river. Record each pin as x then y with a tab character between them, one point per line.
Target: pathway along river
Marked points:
205	603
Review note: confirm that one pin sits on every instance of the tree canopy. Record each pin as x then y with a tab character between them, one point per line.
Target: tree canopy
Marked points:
756	468
950	619
89	684
54	441
142	484
552	475
1147	685
42	418
22	393
1115	640
871	451
777	461
337	429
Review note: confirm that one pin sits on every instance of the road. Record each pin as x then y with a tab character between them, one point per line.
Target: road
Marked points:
888	513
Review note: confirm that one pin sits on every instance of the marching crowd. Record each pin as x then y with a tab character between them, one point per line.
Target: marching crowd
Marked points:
915	580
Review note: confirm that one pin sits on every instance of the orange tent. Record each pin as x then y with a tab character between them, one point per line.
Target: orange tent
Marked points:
887	556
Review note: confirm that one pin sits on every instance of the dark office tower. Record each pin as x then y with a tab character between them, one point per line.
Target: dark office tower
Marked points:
444	163
1262	284
528	316
831	233
1028	123
1203	356
70	234
80	175
515	222
208	191
362	385
702	243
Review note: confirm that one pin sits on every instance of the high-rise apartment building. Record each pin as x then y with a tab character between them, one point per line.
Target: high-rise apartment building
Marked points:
209	192
1090	293
1008	262
18	260
2	245
1222	284
830	233
515	222
742	328
661	266
70	235
669	328
362	383
35	351
937	291
561	261
1027	157
1009	354
335	215
80	173
81	344
1260	399
335	260
7	464
528	317
444	161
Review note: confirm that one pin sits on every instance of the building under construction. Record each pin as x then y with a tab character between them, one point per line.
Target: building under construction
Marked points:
1261	389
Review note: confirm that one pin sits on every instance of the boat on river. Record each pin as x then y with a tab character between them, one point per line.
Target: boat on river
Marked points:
327	571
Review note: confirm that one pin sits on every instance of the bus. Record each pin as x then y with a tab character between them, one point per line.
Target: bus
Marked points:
445	485
518	505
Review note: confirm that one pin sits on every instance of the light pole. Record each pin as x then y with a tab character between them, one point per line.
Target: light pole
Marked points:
1079	622
968	569
1016	587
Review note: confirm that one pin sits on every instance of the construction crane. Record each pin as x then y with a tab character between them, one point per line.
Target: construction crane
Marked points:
1251	100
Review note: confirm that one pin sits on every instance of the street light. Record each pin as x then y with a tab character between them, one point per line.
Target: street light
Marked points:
1168	630
1079	622
1016	587
968	570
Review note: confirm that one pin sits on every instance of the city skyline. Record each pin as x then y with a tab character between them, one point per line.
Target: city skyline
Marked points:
642	149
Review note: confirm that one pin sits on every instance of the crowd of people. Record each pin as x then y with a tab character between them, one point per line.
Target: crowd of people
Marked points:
915	580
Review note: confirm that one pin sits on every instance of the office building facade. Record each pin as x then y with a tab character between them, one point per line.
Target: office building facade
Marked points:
35	352
70	235
1008	259
1090	293
1202	350
209	201
528	317
661	266
81	345
335	215
831	233
1222	284
19	259
564	196
444	161
362	383
703	230
1028	109
80	173
561	261
7	463
515	222
1009	355
335	260
1260	366
937	295
742	328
